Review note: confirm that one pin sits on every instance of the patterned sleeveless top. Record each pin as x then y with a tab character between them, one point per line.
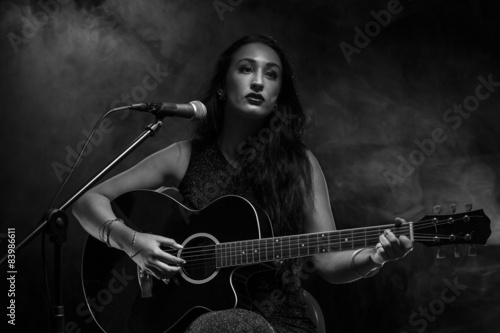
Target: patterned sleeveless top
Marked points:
209	176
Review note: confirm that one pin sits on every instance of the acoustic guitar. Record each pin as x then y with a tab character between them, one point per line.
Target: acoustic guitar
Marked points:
224	244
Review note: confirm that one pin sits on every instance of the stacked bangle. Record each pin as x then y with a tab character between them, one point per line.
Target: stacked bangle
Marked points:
105	229
355	269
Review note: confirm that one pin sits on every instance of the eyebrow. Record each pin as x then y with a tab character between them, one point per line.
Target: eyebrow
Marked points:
253	61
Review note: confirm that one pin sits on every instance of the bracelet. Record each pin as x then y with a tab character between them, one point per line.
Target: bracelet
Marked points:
105	230
108	231
355	269
101	231
132	247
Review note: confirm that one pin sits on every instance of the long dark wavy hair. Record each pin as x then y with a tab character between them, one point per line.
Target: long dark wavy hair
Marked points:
280	173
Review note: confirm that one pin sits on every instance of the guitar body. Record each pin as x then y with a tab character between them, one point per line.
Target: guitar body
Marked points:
110	278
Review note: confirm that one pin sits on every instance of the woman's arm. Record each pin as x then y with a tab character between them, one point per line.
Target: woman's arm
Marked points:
164	168
345	266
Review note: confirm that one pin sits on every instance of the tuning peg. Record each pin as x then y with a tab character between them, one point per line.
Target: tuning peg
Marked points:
468	207
453	208
456	253
440	254
472	251
437	209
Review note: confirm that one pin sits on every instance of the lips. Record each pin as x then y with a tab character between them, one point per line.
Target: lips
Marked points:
255	97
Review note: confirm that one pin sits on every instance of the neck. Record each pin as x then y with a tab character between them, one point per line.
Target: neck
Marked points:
235	131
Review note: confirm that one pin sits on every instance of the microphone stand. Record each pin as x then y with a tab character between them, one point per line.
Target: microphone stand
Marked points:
55	223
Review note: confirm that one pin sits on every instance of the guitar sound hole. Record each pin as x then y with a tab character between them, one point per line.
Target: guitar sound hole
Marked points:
199	254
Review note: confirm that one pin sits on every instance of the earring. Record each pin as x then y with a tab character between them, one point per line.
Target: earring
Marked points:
222	94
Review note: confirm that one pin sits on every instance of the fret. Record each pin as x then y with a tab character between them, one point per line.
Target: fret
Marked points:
227	249
303	246
256	250
335	244
374	232
244	258
323	242
294	246
238	253
313	244
359	238
218	259
234	256
263	250
277	251
285	247
223	254
250	252
269	249
232	252
345	239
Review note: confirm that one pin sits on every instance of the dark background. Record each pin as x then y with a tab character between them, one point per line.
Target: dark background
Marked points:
365	113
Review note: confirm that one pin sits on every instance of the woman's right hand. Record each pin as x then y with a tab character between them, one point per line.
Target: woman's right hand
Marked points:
149	256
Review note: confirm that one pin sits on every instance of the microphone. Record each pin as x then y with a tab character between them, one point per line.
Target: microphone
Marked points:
195	110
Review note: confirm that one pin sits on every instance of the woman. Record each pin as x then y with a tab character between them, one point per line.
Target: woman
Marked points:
249	144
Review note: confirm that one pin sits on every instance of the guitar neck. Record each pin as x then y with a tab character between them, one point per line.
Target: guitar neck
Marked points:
297	246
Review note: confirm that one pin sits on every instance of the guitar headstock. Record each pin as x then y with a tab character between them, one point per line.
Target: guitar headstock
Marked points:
469	227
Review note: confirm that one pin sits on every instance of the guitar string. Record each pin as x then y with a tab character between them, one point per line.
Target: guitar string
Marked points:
236	258
350	234
271	247
234	250
356	232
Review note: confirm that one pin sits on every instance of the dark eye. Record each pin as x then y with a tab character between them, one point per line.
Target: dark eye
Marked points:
272	74
245	69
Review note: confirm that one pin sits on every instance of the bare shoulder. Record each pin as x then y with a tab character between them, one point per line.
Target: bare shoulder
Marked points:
319	216
177	151
175	159
315	166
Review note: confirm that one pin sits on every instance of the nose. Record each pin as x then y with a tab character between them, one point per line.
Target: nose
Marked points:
257	83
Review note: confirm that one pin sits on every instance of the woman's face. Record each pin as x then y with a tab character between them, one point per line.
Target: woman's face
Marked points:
253	81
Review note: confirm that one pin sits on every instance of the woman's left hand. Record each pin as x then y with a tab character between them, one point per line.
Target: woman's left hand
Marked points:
390	247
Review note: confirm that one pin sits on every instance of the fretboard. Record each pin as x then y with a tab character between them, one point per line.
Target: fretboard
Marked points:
286	247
